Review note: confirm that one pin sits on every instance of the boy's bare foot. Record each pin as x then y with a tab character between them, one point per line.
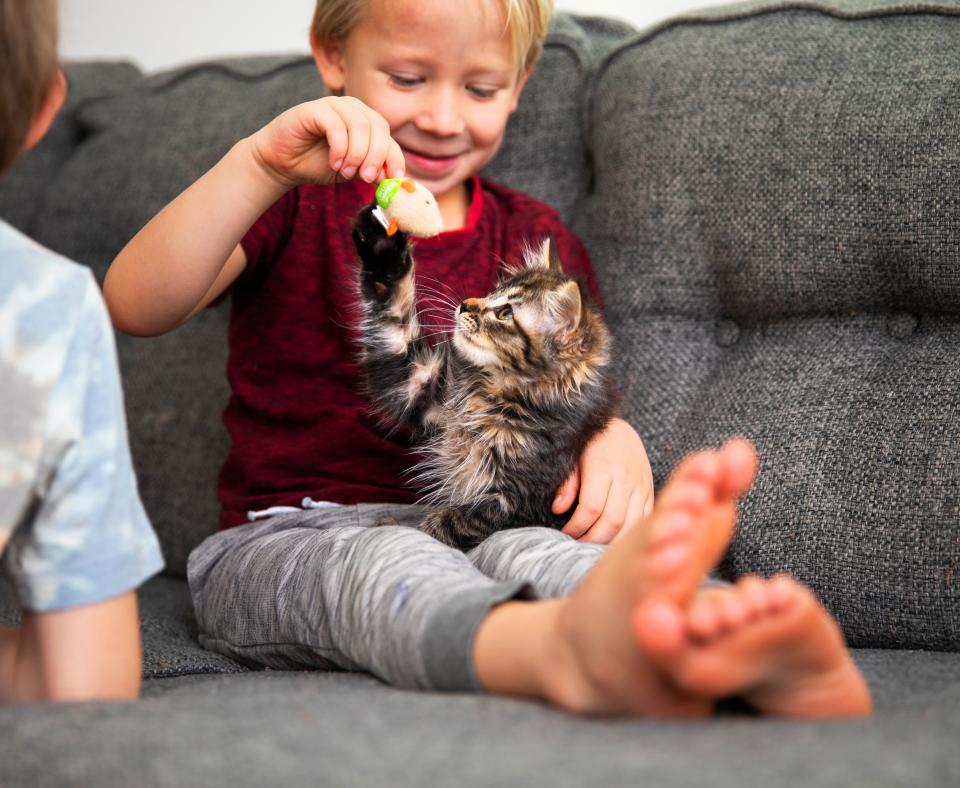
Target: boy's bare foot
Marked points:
769	642
594	662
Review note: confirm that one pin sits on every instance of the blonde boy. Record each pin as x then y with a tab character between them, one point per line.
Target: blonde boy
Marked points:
74	536
425	88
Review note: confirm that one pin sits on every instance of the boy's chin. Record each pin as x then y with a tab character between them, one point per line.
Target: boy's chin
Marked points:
441	186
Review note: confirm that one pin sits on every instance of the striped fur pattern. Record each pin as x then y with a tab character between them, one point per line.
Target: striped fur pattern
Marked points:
506	406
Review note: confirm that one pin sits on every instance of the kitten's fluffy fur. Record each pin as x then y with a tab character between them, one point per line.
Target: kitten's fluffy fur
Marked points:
507	407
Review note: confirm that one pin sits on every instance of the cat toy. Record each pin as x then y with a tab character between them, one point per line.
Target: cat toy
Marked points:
404	204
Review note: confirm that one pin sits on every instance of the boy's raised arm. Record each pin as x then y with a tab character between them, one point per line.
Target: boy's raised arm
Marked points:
189	253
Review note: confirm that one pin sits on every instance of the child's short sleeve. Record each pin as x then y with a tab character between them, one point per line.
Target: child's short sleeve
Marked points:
265	240
74	526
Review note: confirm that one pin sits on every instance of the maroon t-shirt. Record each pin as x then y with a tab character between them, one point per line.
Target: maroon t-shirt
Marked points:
299	422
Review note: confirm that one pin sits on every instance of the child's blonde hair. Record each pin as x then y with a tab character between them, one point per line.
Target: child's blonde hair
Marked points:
28	68
527	22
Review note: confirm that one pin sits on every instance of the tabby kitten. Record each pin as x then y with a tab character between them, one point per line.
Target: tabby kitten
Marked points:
507	406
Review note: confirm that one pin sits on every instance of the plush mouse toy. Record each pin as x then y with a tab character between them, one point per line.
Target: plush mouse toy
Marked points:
404	204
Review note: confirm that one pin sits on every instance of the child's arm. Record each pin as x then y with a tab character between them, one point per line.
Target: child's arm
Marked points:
615	485
189	253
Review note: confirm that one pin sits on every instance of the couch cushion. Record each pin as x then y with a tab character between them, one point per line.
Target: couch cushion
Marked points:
24	187
279	728
142	147
775	210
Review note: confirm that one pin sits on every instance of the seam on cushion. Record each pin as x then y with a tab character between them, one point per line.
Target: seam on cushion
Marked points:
170	80
748	11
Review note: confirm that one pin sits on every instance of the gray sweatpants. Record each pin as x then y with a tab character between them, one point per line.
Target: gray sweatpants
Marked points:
323	589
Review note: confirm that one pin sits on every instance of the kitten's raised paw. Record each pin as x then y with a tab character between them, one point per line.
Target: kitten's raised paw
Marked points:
386	258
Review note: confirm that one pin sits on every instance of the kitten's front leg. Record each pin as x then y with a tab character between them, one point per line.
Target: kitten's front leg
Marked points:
403	372
463	527
387	263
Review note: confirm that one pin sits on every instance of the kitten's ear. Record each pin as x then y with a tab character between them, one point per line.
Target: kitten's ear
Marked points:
545	258
566	307
552	255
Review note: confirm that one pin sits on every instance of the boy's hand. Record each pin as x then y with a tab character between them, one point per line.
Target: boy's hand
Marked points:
319	140
615	485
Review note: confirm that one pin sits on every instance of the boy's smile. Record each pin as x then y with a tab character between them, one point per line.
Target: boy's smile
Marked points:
443	76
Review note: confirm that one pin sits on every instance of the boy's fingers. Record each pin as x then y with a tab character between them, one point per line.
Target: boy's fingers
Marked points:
322	122
648	505
613	517
372	165
588	511
566	493
358	137
396	165
638	510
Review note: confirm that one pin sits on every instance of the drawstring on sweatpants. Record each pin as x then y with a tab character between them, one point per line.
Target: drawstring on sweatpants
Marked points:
306	503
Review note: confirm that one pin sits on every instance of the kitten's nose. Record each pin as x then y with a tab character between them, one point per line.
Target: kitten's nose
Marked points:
470	305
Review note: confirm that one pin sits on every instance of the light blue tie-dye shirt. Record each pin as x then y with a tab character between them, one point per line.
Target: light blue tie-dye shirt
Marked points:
72	527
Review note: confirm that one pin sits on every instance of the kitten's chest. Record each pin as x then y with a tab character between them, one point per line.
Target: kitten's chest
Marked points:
479	446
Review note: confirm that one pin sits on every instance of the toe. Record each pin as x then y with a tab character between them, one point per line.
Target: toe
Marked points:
704	619
737	466
733	611
753	592
783	591
670	526
658	628
692	495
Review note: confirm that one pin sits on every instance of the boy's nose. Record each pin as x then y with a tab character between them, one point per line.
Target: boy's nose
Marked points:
441	115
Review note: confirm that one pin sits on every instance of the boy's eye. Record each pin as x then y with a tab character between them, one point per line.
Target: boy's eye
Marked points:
482	92
504	313
405	80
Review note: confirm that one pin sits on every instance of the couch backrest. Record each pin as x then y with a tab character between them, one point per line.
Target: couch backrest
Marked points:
125	145
775	217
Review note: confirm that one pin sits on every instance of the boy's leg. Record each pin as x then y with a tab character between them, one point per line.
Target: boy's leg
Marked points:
325	589
550	561
89	652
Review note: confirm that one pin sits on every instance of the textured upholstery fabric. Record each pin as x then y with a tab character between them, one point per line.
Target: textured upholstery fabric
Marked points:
775	214
280	728
24	188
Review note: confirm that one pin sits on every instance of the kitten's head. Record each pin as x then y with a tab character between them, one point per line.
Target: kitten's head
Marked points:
538	325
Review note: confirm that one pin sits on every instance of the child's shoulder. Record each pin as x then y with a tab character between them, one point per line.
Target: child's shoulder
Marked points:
40	291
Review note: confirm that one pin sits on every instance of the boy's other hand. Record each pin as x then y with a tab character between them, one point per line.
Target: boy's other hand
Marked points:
615	486
319	140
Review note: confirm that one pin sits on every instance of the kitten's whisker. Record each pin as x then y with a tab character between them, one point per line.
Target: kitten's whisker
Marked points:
443	285
438	313
434	301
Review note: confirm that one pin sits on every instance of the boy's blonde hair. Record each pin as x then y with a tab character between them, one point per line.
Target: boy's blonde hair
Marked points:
28	68
527	22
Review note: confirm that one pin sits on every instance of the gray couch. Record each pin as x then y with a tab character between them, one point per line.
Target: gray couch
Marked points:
771	194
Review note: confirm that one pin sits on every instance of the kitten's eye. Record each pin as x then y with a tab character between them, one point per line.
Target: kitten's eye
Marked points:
505	313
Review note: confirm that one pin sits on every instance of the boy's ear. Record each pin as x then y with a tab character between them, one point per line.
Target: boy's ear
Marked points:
48	111
329	59
519	88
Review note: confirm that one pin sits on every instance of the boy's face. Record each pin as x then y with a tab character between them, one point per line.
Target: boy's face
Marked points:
443	76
